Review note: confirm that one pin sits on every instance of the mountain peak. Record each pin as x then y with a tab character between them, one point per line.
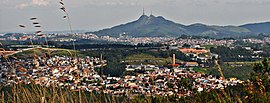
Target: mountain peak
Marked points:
152	16
143	17
158	26
151	19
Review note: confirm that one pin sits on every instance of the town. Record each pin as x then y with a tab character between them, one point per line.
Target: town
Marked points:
65	37
79	74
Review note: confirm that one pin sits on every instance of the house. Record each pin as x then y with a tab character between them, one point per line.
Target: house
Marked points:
5	53
191	64
193	50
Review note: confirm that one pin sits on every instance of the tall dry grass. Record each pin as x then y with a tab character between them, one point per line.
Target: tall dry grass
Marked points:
31	93
66	16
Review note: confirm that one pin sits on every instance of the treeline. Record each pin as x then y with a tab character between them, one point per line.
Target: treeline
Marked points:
236	54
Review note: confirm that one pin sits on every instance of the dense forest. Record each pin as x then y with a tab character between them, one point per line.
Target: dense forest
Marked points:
236	54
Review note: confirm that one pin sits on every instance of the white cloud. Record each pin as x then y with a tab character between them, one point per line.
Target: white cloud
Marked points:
41	2
112	2
34	3
22	5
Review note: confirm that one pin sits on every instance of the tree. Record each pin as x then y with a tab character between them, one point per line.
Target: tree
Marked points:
262	68
186	45
261	77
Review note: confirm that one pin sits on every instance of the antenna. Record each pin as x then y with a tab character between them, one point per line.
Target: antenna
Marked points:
151	12
143	11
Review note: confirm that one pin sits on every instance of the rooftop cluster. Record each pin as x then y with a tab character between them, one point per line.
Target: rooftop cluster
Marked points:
80	74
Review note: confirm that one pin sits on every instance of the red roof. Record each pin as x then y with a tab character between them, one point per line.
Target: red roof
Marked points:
3	53
174	65
192	50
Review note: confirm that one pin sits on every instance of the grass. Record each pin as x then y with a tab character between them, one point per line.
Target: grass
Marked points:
241	62
200	70
209	46
19	93
40	52
148	59
230	70
38	94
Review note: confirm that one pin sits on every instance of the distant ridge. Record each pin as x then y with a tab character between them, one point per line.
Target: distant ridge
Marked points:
258	27
158	26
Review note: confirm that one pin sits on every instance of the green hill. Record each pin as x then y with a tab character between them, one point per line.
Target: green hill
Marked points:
258	27
145	26
152	26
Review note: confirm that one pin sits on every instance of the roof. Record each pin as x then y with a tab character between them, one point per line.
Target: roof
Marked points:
193	50
3	53
174	65
192	64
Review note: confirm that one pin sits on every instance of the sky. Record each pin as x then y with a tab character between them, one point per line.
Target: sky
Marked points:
92	15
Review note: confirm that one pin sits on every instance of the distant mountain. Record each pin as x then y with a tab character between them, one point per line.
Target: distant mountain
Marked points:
258	27
149	26
217	31
152	26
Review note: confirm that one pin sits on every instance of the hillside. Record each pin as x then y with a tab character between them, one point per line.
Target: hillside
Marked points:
258	27
158	26
40	52
145	26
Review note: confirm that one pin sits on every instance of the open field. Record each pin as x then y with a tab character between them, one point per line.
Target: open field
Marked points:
148	59
41	52
241	62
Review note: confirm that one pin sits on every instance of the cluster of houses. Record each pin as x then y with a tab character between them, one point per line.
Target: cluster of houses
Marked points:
58	71
202	41
79	74
166	82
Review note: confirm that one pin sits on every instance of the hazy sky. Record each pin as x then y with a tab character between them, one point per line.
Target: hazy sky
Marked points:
98	14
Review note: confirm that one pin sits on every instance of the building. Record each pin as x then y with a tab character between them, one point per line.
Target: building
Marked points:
193	50
191	64
173	62
5	53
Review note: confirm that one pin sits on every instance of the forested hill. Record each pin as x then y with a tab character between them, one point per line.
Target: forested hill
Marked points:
158	26
258	27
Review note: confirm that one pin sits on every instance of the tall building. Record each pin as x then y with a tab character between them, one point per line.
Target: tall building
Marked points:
173	59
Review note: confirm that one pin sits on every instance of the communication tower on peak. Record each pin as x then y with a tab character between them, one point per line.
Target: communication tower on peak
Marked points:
143	12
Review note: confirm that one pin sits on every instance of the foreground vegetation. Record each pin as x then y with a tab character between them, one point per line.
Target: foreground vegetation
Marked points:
39	94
